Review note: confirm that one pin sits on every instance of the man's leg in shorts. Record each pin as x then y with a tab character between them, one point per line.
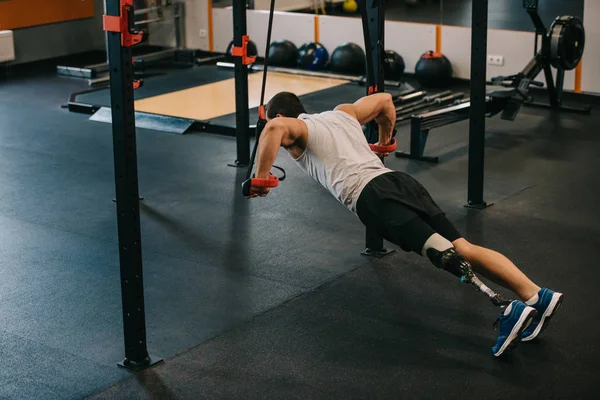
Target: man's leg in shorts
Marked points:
401	210
501	270
438	240
489	263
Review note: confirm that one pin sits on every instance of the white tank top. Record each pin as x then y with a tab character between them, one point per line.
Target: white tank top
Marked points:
338	156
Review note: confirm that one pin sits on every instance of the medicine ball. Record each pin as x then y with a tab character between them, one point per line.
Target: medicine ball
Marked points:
312	56
393	65
252	51
350	6
348	58
283	53
433	70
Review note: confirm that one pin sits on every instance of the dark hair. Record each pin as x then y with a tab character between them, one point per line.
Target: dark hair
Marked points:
286	104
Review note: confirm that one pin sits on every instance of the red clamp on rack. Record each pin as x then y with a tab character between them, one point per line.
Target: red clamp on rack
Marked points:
384	149
243	51
271	182
373	89
125	24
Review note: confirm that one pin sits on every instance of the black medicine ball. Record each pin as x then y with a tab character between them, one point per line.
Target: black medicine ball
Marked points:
312	56
348	58
283	53
393	65
252	50
433	70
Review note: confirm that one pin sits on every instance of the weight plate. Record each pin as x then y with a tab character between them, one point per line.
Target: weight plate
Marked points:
567	42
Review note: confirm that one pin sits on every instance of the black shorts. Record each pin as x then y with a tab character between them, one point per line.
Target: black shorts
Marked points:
392	200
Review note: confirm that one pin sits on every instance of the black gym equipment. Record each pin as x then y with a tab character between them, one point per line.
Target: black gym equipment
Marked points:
433	70
562	47
430	103
348	58
312	56
272	181
242	114
179	56
121	36
393	65
373	22
409	98
420	100
283	53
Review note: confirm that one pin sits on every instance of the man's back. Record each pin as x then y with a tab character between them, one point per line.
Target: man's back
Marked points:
338	156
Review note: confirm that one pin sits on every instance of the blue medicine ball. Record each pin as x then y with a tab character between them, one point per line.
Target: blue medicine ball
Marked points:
312	56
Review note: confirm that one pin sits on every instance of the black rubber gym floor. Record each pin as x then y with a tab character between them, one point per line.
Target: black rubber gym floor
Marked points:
270	298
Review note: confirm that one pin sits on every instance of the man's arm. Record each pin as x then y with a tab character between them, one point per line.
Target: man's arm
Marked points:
279	132
379	107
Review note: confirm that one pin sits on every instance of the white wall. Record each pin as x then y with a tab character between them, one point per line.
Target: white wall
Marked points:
288	5
408	39
336	30
297	28
333	31
196	24
516	48
421	38
590	81
63	38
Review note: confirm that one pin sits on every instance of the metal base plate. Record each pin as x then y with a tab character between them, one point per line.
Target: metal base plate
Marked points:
150	362
237	164
403	154
155	122
481	206
377	253
586	109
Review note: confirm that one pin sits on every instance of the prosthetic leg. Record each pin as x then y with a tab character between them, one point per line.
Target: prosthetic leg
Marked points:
453	262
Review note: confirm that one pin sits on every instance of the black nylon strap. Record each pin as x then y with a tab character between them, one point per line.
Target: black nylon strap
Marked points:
269	29
260	124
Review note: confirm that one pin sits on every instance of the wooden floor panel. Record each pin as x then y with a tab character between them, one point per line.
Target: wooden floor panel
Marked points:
217	99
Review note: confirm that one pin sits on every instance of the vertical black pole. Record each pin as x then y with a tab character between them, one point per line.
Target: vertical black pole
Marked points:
558	88
127	196
550	84
478	103
242	114
373	20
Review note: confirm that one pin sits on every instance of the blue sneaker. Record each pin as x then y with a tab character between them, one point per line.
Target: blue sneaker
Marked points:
548	303
511	324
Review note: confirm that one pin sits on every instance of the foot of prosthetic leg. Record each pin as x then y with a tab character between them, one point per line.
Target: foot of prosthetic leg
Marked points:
453	262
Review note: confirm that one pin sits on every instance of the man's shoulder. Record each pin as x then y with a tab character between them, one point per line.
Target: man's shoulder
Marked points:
346	109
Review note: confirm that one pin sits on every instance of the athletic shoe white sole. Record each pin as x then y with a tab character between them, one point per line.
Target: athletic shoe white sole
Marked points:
512	341
555	303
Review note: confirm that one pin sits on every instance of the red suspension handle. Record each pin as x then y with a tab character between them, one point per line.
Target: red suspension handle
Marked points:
271	182
384	149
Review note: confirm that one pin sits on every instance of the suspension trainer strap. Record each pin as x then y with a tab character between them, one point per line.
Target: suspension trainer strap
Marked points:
262	118
264	81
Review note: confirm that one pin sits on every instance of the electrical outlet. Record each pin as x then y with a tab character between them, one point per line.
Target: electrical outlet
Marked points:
495	60
202	33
